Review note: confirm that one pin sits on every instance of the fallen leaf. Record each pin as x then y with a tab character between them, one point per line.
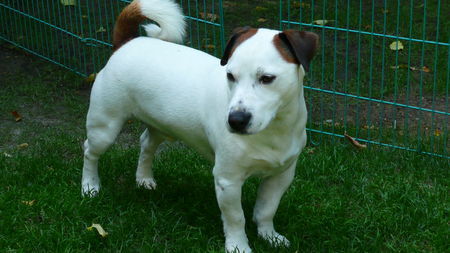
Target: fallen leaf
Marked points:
99	229
437	132
260	8
309	150
301	5
426	69
354	142
322	21
16	116
101	29
227	4
29	202
208	16
400	66
69	2
404	66
261	20
396	45
328	122
209	46
22	146
90	78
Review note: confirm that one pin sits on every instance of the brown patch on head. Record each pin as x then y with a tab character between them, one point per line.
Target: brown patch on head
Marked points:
127	24
239	35
284	50
297	47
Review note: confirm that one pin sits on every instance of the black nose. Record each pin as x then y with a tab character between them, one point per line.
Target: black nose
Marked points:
238	120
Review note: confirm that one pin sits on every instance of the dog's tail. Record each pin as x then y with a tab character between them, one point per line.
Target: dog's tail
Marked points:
166	13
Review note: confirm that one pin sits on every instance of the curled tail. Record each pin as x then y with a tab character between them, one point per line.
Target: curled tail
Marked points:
166	13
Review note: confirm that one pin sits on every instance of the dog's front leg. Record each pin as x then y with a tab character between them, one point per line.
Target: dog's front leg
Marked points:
228	192
269	194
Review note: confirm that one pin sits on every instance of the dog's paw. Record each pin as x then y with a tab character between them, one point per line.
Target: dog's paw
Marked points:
274	238
236	247
90	190
148	183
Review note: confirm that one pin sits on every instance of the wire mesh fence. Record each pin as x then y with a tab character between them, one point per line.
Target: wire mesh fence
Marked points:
76	34
381	75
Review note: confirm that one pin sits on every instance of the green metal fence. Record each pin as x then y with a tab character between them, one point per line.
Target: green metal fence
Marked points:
76	34
381	75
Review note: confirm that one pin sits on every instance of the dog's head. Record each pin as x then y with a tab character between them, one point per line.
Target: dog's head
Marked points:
265	70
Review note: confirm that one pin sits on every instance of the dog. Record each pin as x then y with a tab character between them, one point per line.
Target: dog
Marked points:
245	112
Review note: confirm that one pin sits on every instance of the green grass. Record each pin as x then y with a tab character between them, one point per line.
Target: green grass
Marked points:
342	199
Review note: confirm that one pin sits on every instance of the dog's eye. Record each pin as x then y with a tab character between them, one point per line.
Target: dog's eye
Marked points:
231	77
266	79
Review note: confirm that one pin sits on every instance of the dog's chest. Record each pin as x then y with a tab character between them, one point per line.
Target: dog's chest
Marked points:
272	158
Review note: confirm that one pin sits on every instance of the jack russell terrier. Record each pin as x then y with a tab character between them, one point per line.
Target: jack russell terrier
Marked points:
245	112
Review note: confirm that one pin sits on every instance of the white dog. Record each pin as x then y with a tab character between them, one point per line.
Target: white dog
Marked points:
245	112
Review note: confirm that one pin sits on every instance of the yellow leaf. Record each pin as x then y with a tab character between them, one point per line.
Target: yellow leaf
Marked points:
437	132
99	229
16	116
23	145
354	142
426	69
261	20
90	78
260	8
322	21
396	45
29	202
69	2
209	46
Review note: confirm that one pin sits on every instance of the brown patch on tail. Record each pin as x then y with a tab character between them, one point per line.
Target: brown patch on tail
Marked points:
127	25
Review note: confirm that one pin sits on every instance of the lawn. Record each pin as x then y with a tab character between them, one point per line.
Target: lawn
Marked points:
342	199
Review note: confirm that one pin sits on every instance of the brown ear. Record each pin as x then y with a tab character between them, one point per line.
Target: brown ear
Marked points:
302	46
236	38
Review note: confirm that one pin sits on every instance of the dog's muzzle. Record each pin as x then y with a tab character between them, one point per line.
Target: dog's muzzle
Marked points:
239	121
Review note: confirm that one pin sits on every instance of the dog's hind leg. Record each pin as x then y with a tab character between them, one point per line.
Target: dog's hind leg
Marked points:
269	194
101	133
150	141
